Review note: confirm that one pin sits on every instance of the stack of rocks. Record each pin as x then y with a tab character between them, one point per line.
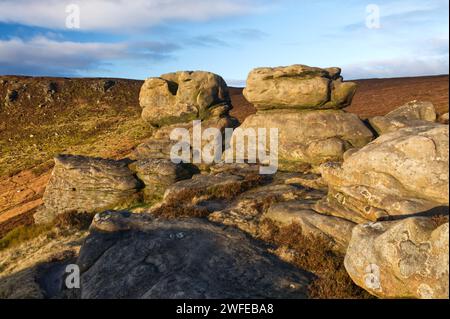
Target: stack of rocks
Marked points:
174	100
304	104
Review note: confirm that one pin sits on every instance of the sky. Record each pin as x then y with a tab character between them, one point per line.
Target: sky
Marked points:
145	38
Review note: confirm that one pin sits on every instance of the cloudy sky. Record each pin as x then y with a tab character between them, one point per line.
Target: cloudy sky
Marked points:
142	38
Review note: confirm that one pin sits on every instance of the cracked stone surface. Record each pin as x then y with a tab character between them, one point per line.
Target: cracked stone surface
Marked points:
143	257
408	258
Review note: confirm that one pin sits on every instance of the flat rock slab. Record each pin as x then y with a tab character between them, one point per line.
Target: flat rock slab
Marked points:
190	258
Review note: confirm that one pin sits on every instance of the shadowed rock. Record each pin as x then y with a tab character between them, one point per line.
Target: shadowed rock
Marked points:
158	174
187	258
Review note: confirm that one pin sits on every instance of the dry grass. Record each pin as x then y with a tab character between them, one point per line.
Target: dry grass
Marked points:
22	234
73	220
182	204
317	256
172	211
64	222
439	220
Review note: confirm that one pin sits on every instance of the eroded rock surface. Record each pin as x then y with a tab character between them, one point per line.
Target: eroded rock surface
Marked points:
159	174
183	96
247	210
188	258
411	114
337	230
298	87
308	137
400	259
86	184
400	173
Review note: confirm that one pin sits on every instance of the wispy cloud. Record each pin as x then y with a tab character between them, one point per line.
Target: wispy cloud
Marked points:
120	15
397	67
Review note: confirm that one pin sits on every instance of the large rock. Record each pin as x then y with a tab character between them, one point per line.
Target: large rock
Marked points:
182	97
86	184
311	137
298	87
411	114
189	259
159	174
400	173
400	259
334	229
443	119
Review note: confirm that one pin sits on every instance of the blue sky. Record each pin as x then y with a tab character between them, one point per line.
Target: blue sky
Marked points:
143	38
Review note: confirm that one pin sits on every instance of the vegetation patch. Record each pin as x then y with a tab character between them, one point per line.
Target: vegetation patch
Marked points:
316	255
174	210
70	221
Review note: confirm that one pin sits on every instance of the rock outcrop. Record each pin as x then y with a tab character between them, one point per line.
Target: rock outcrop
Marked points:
302	102
298	87
400	173
182	97
159	174
309	137
443	119
400	259
174	101
334	229
136	256
411	114
85	184
248	209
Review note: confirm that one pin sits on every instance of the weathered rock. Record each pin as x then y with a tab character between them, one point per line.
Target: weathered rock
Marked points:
204	187
159	145
182	97
311	137
400	259
188	258
443	119
400	173
411	114
247	210
334	229
87	184
415	110
158	174
298	87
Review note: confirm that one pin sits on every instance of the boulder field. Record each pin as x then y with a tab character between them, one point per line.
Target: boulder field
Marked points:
376	192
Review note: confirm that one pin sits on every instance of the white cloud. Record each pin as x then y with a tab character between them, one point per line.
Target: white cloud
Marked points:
45	56
120	15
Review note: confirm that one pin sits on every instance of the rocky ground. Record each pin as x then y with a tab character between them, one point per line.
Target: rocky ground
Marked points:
334	196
